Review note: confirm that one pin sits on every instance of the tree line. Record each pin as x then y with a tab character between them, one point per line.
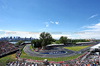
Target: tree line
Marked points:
46	38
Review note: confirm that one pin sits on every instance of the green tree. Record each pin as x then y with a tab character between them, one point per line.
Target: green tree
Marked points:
33	42
46	39
57	42
51	42
19	42
63	39
69	41
37	43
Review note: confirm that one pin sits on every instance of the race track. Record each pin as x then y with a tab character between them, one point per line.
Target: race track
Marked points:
38	54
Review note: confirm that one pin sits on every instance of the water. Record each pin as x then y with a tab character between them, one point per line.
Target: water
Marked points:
13	42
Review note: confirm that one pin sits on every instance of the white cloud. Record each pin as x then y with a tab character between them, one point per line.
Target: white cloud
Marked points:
1	30
52	22
47	25
90	35
57	36
56	22
95	27
93	16
84	35
27	34
92	31
4	33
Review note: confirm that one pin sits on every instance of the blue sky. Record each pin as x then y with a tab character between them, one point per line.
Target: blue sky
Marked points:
50	16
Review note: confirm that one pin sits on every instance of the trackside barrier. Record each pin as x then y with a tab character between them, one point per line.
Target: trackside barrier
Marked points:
85	56
19	52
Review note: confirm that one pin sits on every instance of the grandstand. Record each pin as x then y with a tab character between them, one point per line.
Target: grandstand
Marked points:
6	48
55	45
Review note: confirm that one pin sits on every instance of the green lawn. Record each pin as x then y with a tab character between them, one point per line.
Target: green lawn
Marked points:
31	48
76	48
7	58
24	55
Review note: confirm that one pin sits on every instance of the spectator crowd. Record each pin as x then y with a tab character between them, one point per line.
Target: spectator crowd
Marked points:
91	60
6	47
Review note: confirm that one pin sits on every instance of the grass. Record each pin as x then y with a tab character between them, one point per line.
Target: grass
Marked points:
24	55
31	48
76	48
7	58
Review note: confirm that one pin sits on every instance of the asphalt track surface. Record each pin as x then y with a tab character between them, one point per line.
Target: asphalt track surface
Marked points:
38	54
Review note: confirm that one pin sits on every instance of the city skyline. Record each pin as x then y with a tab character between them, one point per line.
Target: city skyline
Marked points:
71	18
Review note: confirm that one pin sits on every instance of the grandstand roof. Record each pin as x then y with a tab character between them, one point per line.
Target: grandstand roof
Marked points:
95	46
83	42
55	44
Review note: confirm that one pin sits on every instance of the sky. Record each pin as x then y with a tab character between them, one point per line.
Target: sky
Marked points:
76	19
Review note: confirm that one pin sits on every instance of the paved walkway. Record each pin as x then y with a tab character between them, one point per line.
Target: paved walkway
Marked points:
37	54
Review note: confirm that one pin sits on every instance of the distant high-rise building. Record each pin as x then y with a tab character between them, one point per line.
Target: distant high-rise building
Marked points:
11	37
